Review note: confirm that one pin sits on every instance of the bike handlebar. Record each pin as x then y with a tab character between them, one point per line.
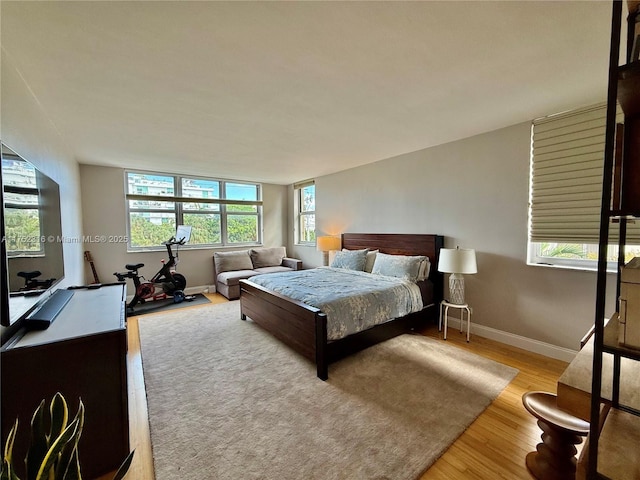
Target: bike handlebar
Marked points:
173	241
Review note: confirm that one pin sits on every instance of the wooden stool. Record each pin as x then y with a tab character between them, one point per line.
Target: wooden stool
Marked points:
561	432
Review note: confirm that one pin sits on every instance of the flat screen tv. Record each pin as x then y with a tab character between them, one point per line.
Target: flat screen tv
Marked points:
31	239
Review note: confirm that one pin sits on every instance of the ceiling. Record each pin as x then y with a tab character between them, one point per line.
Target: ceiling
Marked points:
280	92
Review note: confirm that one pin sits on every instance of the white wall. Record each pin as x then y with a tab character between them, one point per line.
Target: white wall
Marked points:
104	213
475	193
28	131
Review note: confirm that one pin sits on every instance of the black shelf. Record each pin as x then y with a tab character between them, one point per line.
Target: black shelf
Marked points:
622	157
627	214
628	88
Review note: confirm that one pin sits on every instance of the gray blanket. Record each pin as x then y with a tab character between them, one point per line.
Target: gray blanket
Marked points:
353	301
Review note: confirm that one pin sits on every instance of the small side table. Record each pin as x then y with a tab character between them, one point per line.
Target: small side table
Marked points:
444	305
554	458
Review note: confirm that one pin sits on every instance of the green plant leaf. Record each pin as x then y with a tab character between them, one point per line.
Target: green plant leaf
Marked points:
39	443
50	458
73	472
8	446
7	472
59	416
124	468
67	458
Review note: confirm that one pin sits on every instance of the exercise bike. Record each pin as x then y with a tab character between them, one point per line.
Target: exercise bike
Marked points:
31	281
165	282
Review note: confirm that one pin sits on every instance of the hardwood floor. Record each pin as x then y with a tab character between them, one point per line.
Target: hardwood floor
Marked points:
494	446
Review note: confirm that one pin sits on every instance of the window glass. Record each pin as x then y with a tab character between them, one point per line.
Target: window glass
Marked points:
22	215
199	188
308	195
157	203
241	191
205	228
307	214
149	228
242	228
150	184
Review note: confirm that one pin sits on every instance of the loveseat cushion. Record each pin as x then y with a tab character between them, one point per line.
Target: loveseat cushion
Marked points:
234	276
270	270
232	261
267	257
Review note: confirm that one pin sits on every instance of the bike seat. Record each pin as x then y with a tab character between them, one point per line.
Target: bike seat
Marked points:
133	266
30	275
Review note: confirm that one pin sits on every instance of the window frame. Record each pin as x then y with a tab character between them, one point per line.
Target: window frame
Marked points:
567	133
179	200
302	214
9	204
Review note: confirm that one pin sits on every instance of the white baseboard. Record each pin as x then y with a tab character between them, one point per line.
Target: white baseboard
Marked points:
529	344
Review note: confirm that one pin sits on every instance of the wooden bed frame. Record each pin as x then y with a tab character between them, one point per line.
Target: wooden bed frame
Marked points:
304	328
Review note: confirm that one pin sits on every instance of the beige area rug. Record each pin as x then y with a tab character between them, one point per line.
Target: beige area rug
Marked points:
228	401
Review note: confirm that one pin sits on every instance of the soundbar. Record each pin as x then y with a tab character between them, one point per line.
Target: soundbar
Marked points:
44	315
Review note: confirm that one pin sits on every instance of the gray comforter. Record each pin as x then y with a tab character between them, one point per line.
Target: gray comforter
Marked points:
353	301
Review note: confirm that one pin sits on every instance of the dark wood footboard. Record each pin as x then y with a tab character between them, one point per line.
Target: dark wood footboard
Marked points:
302	327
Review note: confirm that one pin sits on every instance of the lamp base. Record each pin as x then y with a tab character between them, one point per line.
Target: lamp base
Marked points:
456	289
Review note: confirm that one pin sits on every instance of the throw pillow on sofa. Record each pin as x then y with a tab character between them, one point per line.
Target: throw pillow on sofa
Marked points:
231	261
267	257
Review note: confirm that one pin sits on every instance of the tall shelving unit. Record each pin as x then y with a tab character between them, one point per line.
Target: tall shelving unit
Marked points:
614	433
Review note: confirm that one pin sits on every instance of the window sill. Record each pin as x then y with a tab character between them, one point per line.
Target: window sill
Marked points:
162	248
610	269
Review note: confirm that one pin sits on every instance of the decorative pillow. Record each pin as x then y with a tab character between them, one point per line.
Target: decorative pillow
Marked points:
401	266
230	261
350	259
425	269
267	257
371	258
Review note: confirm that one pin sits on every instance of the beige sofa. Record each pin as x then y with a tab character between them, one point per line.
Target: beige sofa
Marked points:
231	267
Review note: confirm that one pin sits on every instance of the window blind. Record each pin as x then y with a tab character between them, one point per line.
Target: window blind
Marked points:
305	183
566	178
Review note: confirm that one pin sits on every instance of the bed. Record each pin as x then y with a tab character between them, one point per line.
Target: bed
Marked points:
304	327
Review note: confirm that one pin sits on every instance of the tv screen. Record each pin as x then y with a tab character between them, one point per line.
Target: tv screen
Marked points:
32	239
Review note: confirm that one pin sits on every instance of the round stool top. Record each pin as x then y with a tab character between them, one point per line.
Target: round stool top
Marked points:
543	406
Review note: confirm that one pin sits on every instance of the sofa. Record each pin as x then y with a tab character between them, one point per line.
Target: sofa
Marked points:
231	267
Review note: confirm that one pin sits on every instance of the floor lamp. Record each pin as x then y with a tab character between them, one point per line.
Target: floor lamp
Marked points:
457	261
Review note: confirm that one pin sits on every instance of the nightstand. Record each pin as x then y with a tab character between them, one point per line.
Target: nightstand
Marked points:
444	305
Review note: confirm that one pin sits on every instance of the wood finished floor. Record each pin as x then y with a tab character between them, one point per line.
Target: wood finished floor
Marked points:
493	447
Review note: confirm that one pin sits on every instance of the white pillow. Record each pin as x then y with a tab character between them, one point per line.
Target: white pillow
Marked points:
401	266
350	259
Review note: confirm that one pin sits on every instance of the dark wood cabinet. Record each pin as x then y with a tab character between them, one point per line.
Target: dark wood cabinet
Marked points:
83	356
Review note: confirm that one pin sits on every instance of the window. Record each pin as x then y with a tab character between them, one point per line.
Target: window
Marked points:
567	157
306	201
23	234
220	212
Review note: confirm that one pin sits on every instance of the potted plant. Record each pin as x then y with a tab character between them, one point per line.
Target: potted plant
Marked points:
53	453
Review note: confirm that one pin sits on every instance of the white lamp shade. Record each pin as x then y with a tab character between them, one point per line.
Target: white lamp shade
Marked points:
326	244
457	260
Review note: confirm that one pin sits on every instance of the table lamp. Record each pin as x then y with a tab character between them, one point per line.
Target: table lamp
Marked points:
327	244
457	261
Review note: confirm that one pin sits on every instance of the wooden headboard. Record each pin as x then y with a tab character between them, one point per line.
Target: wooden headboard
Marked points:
402	244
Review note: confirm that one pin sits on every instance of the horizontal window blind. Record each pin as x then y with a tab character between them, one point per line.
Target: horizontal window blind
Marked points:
305	183
566	178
